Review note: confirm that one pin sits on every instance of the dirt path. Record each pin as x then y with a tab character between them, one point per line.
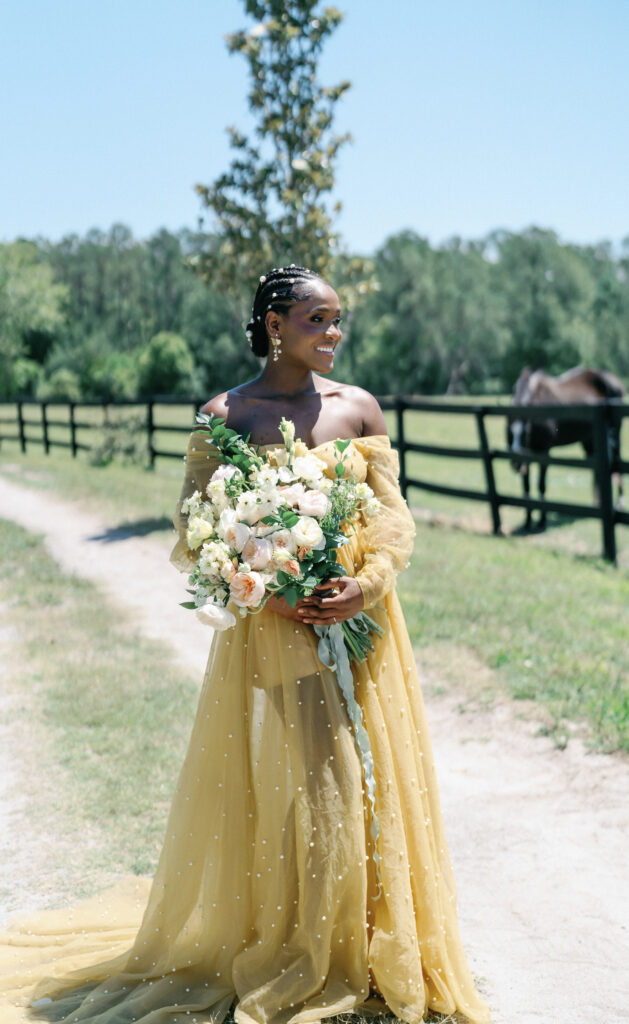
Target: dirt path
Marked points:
538	836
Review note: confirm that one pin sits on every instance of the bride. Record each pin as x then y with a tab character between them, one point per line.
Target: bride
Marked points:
266	898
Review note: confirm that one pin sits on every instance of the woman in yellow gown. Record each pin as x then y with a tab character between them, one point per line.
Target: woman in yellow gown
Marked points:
266	895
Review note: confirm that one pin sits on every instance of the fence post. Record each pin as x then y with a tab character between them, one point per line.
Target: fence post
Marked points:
20	426
73	430
489	470
603	476
44	423
401	443
150	427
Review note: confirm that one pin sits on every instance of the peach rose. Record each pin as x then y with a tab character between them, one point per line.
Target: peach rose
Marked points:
314	503
285	561
283	541
247	589
236	536
292	495
228	570
258	552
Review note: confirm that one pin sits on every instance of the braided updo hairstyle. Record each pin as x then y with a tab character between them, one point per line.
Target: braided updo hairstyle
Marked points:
278	290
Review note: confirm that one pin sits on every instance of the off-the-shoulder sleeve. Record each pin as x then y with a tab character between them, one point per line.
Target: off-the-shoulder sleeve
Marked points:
387	538
201	460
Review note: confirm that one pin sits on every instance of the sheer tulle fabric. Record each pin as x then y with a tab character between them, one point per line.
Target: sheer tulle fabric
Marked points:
265	889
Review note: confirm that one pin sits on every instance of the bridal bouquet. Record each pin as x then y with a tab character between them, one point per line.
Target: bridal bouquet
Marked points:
271	523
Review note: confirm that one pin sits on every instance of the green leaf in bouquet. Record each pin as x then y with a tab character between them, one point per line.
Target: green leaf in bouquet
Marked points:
282	577
292	596
341	445
339	469
187	604
316	556
288	517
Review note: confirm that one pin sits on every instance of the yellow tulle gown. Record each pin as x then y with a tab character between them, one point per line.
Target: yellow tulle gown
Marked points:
264	896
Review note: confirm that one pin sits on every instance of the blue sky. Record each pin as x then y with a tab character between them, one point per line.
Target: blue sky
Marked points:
468	115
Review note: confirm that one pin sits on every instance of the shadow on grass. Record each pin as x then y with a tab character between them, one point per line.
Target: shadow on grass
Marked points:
138	528
553	522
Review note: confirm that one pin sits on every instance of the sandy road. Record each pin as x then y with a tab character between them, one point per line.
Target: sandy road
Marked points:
538	836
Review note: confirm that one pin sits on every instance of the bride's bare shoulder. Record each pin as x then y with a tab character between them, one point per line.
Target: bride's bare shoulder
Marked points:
220	404
217	406
365	407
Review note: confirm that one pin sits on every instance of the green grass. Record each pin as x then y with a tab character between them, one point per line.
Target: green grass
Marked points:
108	712
546	626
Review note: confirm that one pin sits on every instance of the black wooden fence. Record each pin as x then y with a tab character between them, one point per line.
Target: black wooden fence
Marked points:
603	463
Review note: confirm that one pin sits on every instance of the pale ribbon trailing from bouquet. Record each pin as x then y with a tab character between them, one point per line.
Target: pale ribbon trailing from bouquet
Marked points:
333	653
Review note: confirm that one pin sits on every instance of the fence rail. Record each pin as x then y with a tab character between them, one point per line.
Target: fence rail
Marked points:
604	462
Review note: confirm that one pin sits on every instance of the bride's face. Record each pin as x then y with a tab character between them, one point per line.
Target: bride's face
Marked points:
310	331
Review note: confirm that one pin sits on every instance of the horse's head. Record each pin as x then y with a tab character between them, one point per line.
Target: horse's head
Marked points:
518	442
518	431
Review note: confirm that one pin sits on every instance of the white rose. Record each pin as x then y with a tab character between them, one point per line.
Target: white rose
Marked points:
258	552
308	534
198	530
215	615
308	467
247	589
285	475
314	503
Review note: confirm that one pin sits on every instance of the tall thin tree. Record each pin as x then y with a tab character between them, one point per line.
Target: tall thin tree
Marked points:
273	205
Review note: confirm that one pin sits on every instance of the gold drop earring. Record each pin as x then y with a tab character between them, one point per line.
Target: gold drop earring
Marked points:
277	341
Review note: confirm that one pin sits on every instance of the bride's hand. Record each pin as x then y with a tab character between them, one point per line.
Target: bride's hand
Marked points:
319	610
281	606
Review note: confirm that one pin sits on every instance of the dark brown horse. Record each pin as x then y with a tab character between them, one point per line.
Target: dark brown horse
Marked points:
530	437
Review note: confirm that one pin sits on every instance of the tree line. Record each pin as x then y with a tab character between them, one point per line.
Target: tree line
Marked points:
106	316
